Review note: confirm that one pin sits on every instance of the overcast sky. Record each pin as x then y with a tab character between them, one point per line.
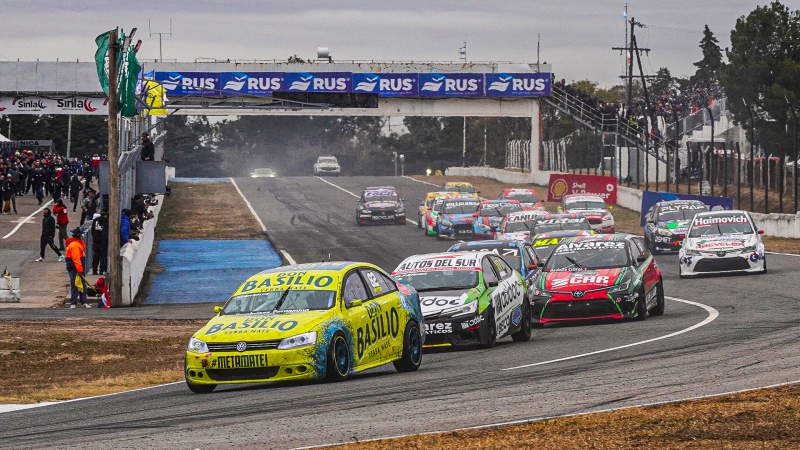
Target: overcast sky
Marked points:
576	35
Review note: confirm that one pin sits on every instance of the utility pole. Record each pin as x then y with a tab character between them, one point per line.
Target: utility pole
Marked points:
69	134
464	145
115	265
160	53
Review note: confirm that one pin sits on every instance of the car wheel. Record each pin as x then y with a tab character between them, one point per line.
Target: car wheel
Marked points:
641	306
419	221
491	329
765	267
680	272
524	333
658	310
412	350
338	367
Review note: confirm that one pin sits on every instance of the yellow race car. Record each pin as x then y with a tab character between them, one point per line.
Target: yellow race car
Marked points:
308	321
462	187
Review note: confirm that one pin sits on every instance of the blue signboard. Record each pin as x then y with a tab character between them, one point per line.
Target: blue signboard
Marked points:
649	199
451	85
189	83
340	82
518	84
386	84
251	83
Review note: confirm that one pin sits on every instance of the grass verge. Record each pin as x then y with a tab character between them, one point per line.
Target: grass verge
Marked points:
764	419
626	220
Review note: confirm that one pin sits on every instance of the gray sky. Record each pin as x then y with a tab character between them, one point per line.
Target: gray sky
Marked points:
576	35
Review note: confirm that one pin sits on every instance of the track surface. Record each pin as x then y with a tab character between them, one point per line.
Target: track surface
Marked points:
754	342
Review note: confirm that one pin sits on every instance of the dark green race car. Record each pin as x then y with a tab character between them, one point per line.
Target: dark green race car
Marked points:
666	225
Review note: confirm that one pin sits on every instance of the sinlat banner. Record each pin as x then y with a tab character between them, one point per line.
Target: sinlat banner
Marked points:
70	105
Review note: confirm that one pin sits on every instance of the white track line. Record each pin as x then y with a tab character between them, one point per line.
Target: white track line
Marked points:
557	416
288	257
354	195
27	218
249	206
420	181
783	254
712	315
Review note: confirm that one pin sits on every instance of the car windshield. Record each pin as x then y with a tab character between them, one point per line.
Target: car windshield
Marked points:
523	198
589	255
586	204
683	212
381	196
460	207
720	225
293	300
466	189
440	280
544	251
327	159
513	227
499	209
561	225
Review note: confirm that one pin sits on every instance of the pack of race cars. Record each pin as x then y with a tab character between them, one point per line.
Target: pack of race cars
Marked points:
515	267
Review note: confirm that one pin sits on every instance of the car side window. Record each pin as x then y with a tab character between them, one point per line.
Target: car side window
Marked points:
354	289
488	272
638	250
377	283
532	256
502	267
642	248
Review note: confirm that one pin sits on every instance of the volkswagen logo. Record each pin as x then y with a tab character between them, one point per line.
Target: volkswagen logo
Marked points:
578	294
241	346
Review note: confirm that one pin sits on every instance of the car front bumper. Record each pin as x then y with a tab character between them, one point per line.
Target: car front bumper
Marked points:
305	363
706	263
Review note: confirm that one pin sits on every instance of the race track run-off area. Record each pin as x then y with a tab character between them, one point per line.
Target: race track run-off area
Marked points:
718	335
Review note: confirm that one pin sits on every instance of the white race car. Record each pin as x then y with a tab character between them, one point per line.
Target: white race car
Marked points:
722	242
327	165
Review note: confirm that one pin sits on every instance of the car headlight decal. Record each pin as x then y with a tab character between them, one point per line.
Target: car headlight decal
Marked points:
197	346
301	340
469	308
622	287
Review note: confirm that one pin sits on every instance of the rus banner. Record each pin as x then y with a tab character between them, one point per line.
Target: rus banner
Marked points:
562	184
71	105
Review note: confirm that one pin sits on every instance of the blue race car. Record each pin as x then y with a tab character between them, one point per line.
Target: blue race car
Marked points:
490	214
520	255
455	218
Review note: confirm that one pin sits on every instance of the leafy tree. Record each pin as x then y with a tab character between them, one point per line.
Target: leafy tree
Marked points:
712	58
661	82
763	69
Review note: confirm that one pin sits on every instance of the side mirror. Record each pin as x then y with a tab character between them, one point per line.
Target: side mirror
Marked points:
533	266
402	200
475	216
641	258
356	303
217	309
492	284
760	231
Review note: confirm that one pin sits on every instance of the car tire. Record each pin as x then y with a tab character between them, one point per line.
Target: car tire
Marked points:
765	267
491	329
419	221
680	272
658	310
524	333
641	306
338	365
412	350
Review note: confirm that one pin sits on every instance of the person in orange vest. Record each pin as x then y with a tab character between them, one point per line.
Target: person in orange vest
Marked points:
62	220
75	258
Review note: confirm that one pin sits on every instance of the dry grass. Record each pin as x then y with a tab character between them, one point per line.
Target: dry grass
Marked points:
72	358
626	220
206	211
764	419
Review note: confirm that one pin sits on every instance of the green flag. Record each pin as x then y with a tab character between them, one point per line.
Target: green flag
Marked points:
100	59
128	69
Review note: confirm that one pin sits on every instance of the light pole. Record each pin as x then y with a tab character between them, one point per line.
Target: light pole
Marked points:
794	158
752	153
394	157
402	165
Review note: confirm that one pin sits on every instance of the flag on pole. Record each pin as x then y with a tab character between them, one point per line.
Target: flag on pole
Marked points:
625	14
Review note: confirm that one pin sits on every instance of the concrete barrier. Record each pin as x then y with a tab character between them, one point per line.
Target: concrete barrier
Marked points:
136	254
504	176
779	225
629	198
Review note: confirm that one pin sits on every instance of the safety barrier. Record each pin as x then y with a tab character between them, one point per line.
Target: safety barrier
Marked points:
136	254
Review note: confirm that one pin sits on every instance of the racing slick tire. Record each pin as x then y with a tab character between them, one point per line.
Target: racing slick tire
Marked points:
658	310
357	221
419	221
524	333
338	365
197	388
412	350
765	267
641	306
490	329
680	273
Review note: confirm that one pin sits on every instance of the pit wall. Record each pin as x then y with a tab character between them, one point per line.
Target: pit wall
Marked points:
778	225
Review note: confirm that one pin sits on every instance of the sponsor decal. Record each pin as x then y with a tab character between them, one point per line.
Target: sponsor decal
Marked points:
437	328
580	279
546	242
564	184
589	245
382	324
252	83
472	322
319	82
239	361
73	105
451	85
516	316
284	280
255	324
705	245
440	302
441	263
719	220
387	84
526	216
662	239
189	83
518	84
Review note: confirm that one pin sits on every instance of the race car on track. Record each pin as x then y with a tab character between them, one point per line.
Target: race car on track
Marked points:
461	187
528	198
722	242
667	223
518	254
426	204
598	277
380	204
468	298
592	207
489	216
455	218
544	243
519	225
308	321
432	214
327	165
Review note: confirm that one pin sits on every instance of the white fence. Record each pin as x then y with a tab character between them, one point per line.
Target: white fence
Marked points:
518	154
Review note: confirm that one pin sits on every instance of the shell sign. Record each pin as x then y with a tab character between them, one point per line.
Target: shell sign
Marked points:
562	184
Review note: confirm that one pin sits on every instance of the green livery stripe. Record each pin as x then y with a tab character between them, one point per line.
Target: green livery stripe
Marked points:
621	275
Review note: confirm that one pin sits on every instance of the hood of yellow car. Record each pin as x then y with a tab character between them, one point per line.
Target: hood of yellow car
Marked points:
257	327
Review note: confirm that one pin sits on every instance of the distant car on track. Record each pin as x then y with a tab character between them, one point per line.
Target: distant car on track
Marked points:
722	242
598	277
327	165
489	216
528	198
519	225
468	298
461	187
455	218
667	223
593	207
307	321
379	204
426	204
265	172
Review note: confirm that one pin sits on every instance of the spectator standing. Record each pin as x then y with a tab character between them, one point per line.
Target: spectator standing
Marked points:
89	206
88	173
48	233
62	220
148	149
75	189
6	194
100	243
39	180
124	227
76	256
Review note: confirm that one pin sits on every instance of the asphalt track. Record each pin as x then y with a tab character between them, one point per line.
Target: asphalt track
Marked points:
754	341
